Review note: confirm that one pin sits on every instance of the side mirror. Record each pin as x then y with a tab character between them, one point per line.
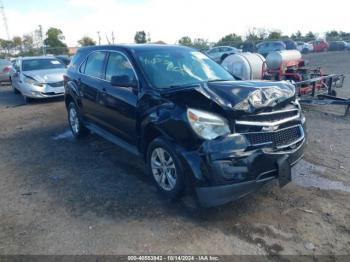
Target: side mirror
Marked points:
123	81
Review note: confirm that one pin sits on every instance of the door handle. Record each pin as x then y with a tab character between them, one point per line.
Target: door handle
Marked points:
104	90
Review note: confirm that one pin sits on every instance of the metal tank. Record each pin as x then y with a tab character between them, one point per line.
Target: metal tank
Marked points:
246	66
274	60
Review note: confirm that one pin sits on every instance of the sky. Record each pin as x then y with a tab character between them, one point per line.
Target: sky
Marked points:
169	20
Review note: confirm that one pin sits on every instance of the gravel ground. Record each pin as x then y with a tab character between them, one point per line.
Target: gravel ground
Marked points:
63	196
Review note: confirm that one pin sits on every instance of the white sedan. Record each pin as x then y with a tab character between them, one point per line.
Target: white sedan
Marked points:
305	47
38	77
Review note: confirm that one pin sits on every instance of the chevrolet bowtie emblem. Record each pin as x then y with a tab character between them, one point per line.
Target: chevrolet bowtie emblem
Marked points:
270	128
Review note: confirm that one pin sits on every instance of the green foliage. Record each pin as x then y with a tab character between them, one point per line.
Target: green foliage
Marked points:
6	44
53	41
86	41
140	37
231	40
256	34
310	35
275	35
198	43
17	41
186	41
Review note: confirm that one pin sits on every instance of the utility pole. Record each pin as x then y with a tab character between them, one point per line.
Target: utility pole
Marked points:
99	37
113	38
40	34
108	40
2	9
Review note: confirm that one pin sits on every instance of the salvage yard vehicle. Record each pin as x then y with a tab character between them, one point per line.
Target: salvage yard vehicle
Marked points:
219	53
197	127
320	45
305	47
264	48
290	44
38	77
338	46
5	69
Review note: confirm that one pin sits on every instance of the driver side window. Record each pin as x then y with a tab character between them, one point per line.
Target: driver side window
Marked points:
119	65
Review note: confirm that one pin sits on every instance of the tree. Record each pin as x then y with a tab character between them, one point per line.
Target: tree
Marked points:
17	42
86	41
274	35
256	34
332	34
231	39
297	36
140	37
186	41
27	41
200	44
53	41
344	35
310	35
6	44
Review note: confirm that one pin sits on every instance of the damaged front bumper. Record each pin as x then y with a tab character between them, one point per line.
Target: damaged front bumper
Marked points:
225	170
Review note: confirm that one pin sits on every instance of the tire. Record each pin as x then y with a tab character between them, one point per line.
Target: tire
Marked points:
305	51
223	58
14	89
75	123
165	167
27	100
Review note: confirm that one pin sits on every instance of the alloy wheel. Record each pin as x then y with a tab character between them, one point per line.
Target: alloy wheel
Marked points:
163	168
74	120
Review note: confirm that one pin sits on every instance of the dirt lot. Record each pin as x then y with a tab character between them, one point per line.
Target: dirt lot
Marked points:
62	196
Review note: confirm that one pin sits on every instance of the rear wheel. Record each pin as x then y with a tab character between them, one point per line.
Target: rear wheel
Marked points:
165	167
74	119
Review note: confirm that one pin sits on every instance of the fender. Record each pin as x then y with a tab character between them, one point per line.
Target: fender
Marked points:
72	90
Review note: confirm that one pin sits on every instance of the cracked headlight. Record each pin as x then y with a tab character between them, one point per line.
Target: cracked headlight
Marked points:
32	81
265	96
207	125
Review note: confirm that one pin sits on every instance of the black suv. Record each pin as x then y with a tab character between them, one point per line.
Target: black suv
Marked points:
198	129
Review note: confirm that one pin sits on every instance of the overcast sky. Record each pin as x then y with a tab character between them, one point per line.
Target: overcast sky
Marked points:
168	20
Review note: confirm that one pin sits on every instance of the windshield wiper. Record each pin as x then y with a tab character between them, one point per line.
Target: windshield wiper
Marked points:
184	85
216	80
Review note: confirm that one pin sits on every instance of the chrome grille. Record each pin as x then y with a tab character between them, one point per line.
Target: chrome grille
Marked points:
56	84
271	117
278	139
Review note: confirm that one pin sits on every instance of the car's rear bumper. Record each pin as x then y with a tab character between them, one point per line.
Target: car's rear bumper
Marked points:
4	78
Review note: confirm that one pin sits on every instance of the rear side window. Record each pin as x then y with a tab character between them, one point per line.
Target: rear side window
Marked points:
93	66
119	65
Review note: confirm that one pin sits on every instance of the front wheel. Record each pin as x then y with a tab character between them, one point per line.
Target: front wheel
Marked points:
166	169
75	123
14	88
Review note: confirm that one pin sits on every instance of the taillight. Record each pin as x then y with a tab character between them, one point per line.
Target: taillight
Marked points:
6	69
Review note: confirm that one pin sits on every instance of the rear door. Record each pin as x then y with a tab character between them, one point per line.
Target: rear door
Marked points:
120	102
90	84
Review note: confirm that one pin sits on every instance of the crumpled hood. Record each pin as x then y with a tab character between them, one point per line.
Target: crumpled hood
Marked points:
46	76
245	96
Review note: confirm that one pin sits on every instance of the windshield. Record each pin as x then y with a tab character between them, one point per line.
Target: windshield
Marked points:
168	68
41	64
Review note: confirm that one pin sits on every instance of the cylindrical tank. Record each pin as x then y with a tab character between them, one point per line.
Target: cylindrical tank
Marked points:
274	60
246	66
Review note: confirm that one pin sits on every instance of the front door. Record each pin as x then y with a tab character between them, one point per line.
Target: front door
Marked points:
120	102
